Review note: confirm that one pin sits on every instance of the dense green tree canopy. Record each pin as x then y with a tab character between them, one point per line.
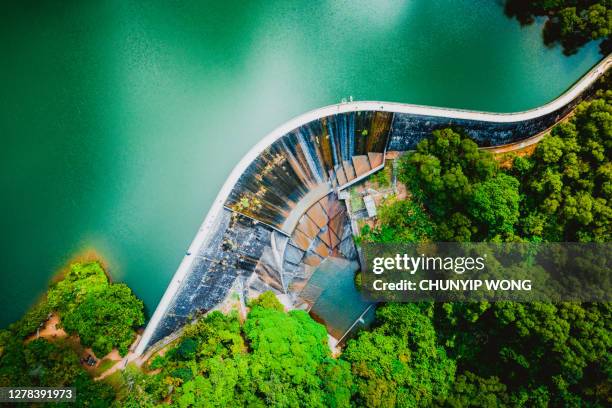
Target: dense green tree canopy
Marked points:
461	187
106	319
273	359
543	354
40	363
102	314
494	204
566	186
400	221
515	354
399	363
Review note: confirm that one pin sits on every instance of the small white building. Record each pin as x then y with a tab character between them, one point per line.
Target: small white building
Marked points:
370	205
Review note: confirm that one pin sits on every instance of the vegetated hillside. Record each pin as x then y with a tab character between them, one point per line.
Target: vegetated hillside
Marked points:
519	354
103	315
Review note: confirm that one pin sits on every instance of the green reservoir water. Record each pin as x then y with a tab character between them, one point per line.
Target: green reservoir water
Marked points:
120	120
335	302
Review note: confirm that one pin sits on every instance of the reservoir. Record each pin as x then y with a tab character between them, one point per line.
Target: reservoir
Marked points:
121	120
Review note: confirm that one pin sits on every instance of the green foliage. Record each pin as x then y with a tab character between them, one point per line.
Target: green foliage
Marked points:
571	23
267	300
288	350
40	363
462	188
102	314
544	354
81	279
399	363
469	390
32	320
187	349
495	204
157	362
337	383
567	184
382	177
273	359
105	319
182	373
137	389
400	221
537	354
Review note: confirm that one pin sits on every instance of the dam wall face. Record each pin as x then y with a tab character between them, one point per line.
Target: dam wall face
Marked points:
408	129
322	154
278	216
236	246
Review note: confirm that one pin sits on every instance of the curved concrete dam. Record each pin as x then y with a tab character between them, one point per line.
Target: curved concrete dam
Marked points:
277	220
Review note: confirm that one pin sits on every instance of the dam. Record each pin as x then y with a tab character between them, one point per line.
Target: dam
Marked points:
278	223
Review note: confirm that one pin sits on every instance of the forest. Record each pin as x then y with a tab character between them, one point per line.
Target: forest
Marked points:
94	312
506	353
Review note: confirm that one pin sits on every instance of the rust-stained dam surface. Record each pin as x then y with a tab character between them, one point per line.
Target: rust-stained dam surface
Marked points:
277	221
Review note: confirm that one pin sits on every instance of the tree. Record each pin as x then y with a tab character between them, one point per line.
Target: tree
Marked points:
40	363
495	204
567	184
274	358
105	319
543	352
399	363
457	184
470	390
267	300
399	221
288	352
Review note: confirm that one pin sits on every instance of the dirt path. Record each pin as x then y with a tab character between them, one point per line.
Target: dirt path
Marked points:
49	331
122	362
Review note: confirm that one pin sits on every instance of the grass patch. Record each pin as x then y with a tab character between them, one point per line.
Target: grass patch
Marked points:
104	366
382	177
356	201
116	380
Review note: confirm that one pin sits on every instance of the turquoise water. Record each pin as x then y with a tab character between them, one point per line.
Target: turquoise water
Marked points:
120	120
337	304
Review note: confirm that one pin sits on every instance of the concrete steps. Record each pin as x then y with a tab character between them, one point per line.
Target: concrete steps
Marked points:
376	159
340	176
349	171
361	164
358	166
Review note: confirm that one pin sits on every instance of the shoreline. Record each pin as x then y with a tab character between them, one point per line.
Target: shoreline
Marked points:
88	254
84	255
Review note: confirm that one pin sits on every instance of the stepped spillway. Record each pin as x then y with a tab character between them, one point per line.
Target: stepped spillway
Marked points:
277	216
